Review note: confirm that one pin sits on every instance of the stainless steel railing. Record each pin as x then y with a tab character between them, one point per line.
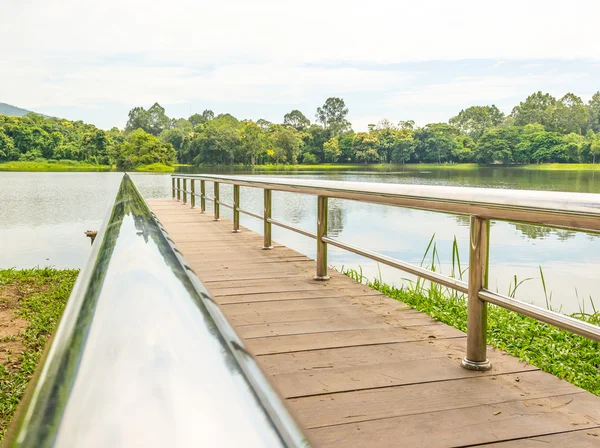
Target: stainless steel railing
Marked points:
577	211
144	357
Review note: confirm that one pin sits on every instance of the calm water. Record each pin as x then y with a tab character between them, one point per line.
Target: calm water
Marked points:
43	217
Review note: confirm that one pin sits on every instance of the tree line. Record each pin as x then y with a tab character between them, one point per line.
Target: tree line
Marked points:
34	137
541	129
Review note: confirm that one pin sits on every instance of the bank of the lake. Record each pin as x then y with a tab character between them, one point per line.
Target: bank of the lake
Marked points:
31	303
566	355
70	165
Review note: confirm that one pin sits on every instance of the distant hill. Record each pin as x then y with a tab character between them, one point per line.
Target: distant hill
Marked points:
7	109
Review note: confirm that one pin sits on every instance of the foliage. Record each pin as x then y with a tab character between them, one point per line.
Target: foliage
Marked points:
41	297
332	116
141	148
541	129
475	120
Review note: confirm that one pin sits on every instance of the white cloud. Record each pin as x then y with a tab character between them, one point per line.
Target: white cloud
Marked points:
79	54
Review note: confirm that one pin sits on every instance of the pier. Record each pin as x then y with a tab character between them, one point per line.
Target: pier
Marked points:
357	368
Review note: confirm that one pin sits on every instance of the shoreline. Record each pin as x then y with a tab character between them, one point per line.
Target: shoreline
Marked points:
72	166
62	166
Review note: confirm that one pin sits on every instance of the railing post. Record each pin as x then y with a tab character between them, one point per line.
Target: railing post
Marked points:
236	209
476	358
184	191
216	203
193	193
322	212
202	196
178	188
267	245
173	186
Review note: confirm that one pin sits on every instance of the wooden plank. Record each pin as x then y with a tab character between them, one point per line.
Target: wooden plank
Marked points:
277	296
368	367
353	407
349	338
585	438
468	426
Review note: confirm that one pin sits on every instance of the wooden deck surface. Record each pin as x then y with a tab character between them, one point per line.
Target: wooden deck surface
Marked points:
359	369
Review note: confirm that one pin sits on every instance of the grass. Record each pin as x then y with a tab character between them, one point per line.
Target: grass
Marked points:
32	301
561	167
155	168
52	165
73	165
568	356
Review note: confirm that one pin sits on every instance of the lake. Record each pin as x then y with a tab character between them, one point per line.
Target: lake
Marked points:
43	217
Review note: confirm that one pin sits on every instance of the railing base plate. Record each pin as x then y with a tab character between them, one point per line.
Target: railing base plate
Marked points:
479	366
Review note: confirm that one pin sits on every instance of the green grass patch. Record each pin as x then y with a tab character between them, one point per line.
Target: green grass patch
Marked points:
52	165
155	168
35	298
561	167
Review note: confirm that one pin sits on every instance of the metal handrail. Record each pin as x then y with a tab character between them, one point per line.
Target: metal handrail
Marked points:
144	357
577	211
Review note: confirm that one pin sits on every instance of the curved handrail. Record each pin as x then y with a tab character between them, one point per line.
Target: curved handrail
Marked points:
143	357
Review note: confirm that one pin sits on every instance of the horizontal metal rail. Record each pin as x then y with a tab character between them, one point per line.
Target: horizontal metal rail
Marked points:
577	211
249	213
550	317
427	274
144	357
292	228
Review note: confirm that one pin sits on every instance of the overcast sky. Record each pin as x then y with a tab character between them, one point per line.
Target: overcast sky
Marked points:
423	60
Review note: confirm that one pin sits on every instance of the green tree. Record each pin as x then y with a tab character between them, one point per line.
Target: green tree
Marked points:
594	113
296	119
217	142
138	119
332	116
331	150
435	143
475	120
365	147
252	142
595	147
497	145
142	148
203	118
287	142
537	108
158	120
569	115
7	148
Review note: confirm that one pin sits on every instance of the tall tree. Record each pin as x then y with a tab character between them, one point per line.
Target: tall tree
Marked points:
158	120
365	147
475	120
331	150
138	119
296	119
569	115
203	118
287	143
594	113
537	108
252	139
332	116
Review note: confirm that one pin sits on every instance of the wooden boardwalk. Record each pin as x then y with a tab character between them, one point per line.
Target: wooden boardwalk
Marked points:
359	369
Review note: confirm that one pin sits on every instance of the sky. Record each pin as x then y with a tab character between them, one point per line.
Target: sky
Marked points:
420	60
